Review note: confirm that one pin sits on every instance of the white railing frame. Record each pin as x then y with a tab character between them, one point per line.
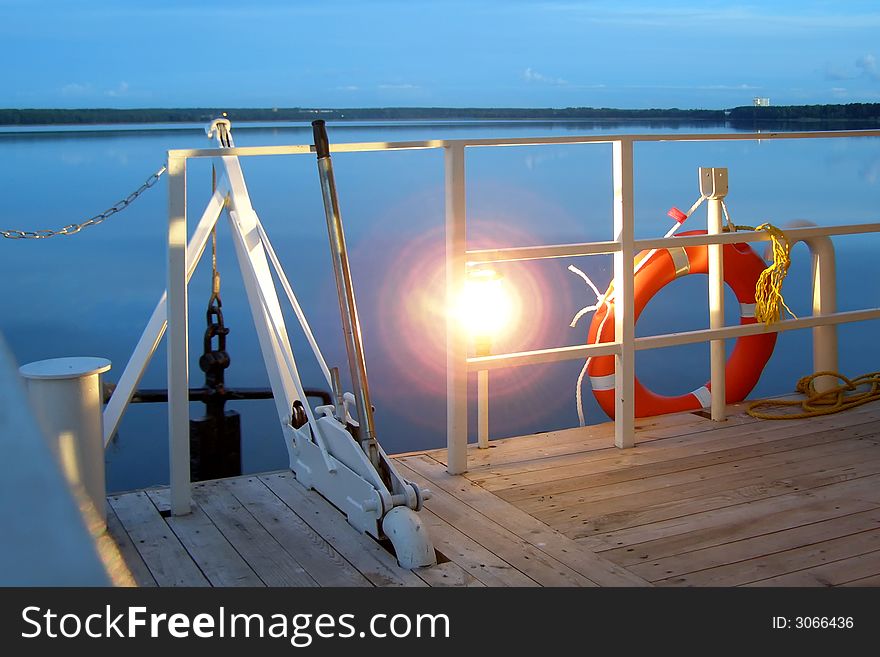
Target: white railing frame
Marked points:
623	247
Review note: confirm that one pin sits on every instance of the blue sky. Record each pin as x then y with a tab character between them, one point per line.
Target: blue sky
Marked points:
367	53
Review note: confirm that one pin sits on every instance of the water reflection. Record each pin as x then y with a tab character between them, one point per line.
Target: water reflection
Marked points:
92	293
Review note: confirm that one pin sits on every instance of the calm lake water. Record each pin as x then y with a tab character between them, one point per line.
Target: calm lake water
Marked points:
92	293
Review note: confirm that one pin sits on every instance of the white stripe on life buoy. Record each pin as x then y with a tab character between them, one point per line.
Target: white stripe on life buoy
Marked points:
600	383
747	310
704	396
680	261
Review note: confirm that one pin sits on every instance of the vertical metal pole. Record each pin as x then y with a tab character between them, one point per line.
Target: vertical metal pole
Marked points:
713	184
178	345
624	303
456	339
351	326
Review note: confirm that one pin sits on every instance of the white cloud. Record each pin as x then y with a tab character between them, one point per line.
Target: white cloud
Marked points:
868	66
120	89
531	75
74	89
398	86
348	87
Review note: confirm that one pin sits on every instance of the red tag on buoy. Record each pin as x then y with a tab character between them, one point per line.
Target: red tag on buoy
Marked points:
677	214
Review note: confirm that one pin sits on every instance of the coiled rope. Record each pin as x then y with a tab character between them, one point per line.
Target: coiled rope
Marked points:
839	398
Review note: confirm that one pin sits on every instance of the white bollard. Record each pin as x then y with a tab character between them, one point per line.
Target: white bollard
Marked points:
65	394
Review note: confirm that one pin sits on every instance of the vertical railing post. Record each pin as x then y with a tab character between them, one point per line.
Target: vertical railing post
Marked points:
713	185
624	304
178	347
456	338
824	303
483	409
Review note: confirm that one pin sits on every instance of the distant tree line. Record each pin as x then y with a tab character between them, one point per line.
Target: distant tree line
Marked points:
850	112
855	112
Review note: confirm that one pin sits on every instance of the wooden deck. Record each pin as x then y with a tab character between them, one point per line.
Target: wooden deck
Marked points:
695	503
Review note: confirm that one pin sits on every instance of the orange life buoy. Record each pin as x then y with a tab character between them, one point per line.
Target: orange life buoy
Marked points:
742	267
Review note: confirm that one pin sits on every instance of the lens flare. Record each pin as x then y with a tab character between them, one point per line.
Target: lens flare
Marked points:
487	306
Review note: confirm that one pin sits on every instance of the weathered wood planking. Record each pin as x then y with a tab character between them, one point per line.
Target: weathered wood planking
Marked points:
685	554
448	574
473	558
320	560
767	516
837	573
138	570
370	558
777	471
268	558
821	519
665	457
530	466
217	559
531	561
727	507
524	526
164	555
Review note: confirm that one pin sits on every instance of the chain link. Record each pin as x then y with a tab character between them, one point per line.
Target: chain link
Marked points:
72	229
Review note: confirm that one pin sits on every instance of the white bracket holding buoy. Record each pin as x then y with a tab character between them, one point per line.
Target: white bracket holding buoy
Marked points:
66	397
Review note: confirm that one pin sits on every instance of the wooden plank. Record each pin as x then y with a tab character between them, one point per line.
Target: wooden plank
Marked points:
733	547
873	580
782	563
711	501
537	447
365	554
528	559
207	546
127	554
683	472
268	559
811	517
473	558
526	528
323	563
559	510
857	495
657	459
168	561
448	574
711	438
836	573
689	446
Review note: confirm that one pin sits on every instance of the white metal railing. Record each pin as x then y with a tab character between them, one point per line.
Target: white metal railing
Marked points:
623	247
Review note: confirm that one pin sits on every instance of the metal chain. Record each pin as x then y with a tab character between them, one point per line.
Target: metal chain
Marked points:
72	229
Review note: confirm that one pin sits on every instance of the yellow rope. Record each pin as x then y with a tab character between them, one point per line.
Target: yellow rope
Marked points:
839	398
768	291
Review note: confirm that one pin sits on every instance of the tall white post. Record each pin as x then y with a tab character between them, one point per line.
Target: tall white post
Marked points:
178	341
624	303
824	303
456	338
713	185
66	396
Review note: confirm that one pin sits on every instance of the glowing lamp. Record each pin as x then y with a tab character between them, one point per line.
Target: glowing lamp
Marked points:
487	306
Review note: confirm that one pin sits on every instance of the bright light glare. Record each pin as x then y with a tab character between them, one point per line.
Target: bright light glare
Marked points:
487	306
